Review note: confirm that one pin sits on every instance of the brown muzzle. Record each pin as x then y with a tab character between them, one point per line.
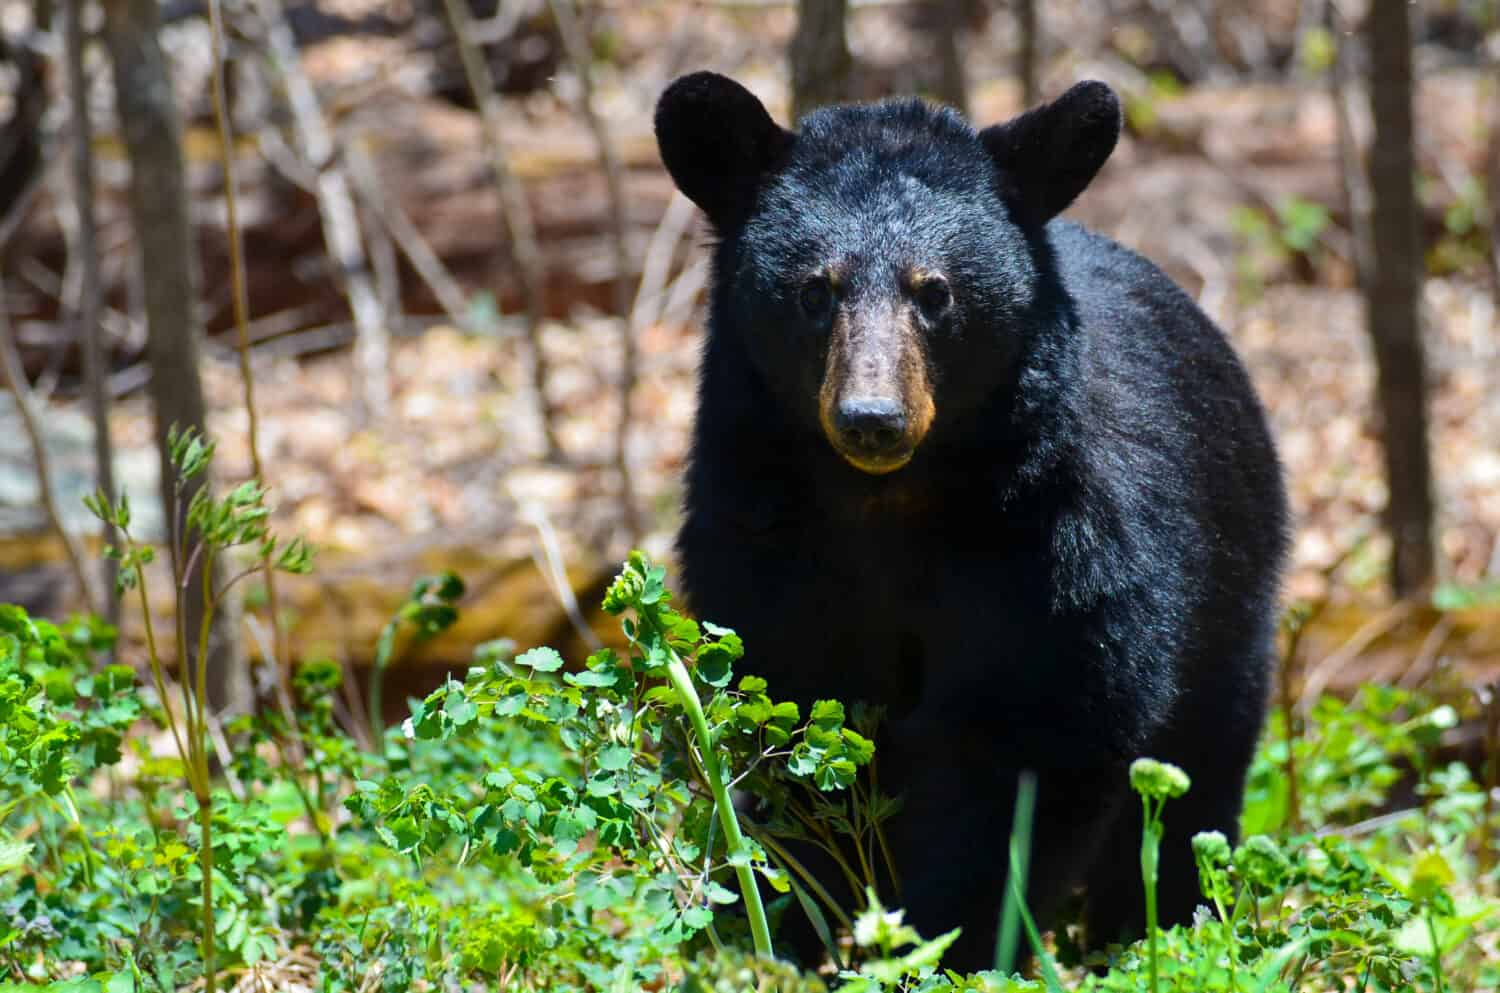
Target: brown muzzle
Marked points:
876	401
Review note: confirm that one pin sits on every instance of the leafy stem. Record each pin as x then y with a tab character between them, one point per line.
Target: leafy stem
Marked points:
682	682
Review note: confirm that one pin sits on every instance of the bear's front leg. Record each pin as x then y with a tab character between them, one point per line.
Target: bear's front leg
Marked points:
951	839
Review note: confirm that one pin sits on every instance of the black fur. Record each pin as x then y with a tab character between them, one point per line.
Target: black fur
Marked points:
1079	565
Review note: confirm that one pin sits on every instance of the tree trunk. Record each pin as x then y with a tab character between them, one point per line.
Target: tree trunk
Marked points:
167	253
819	53
1027	57
948	21
1393	300
21	133
1490	88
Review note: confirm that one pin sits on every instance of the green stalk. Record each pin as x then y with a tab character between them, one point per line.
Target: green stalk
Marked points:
1150	851
1009	937
760	928
808	879
1437	955
1206	868
1049	973
70	806
206	867
205	796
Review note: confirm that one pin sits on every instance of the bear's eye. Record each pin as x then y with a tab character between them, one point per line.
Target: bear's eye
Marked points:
934	298
816	299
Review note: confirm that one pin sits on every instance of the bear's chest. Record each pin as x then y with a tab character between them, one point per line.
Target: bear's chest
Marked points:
908	604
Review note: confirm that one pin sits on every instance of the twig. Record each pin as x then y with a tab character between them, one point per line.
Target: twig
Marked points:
1297	623
384	264
15	380
20	208
387	210
515	212
1369	824
657	265
226	758
282	662
576	45
1365	636
1427	655
90	331
1354	185
684	292
1490	89
341	232
551	567
1490	698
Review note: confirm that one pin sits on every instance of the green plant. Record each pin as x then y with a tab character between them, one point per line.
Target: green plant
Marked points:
1156	782
1271	240
648	742
543	827
211	526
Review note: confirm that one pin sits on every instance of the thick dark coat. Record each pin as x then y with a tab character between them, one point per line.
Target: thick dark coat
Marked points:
1067	559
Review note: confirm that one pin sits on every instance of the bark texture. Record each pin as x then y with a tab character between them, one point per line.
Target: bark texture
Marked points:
820	60
1393	298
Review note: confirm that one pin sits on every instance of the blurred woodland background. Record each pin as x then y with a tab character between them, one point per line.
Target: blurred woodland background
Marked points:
472	302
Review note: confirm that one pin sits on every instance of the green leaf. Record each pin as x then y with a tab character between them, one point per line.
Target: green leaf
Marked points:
460	709
14	855
829	714
541	659
715	665
697	917
859	748
615	757
592	679
718	893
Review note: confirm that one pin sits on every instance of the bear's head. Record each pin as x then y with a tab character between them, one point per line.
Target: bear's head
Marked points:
880	251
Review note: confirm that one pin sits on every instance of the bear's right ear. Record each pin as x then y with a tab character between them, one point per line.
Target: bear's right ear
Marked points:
718	142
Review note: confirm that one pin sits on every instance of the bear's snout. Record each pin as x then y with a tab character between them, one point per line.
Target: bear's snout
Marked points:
874	427
876	401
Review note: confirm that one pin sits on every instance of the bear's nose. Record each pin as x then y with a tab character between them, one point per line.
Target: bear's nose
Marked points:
872	425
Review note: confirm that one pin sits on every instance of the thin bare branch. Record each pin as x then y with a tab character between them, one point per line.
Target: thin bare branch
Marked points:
577	47
550	564
676	220
341	232
91	333
1354	185
515	212
280	662
1490	88
387	211
14	378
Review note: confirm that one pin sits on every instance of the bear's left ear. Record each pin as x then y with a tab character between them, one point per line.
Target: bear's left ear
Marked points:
1047	156
718	142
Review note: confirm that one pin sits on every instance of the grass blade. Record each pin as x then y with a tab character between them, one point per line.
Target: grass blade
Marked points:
1007	940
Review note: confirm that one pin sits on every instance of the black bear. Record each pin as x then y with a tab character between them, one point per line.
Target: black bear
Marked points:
984	468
